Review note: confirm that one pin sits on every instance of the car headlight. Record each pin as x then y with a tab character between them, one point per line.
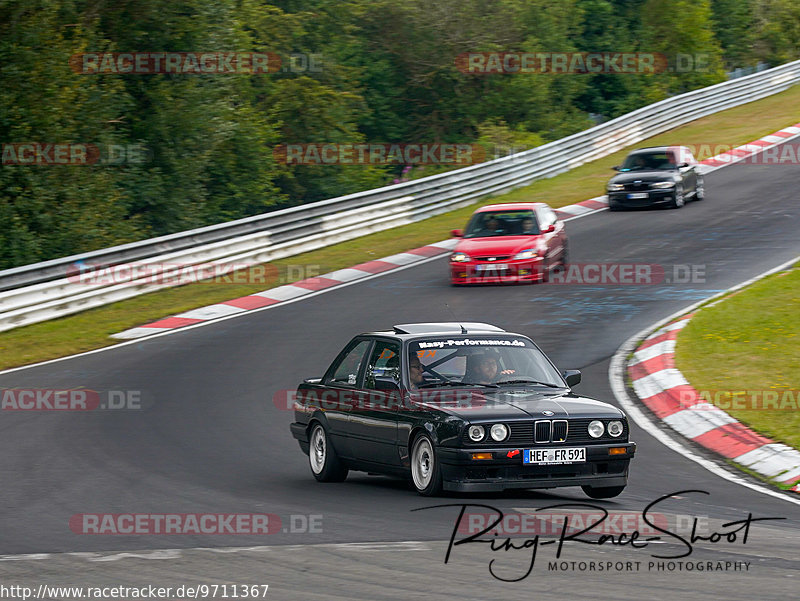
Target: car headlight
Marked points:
615	187
475	433
662	185
596	428
459	257
528	253
498	432
615	428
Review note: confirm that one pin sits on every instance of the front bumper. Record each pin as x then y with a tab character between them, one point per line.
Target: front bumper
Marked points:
654	198
300	433
502	272
463	474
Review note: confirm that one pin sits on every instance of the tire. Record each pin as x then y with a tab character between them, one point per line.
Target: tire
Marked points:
426	476
700	189
322	458
613	206
679	199
565	257
604	492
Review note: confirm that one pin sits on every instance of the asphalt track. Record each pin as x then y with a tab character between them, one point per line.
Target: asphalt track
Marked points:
209	438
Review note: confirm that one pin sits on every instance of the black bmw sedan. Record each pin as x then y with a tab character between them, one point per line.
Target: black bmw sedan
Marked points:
459	407
662	175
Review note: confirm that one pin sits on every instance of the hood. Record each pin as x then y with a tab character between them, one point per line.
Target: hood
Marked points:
522	404
645	176
496	245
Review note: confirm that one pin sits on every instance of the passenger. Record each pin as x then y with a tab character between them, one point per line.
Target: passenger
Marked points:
415	371
528	226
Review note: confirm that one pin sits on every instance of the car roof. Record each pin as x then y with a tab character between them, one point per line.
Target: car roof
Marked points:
406	331
511	206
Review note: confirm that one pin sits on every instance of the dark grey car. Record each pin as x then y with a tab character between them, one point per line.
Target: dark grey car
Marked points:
459	407
661	175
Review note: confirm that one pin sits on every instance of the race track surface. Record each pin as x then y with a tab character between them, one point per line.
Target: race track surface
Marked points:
210	439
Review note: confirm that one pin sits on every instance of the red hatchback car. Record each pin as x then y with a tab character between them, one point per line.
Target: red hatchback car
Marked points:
506	243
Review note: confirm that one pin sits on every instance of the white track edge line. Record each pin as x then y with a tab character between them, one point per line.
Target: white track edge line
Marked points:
616	378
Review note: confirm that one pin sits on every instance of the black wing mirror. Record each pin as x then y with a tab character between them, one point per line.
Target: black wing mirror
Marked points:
572	376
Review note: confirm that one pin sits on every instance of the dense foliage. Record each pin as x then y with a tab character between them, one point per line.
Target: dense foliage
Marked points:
387	74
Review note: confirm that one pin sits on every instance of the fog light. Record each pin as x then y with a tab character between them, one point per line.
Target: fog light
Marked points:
617	451
524	271
481	455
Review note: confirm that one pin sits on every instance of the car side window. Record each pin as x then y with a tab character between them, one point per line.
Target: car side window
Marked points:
346	371
384	361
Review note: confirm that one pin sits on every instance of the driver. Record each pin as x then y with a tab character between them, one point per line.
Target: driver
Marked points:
638	162
490	226
484	368
415	371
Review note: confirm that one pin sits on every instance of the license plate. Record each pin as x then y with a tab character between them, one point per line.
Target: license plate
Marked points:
638	195
492	267
554	456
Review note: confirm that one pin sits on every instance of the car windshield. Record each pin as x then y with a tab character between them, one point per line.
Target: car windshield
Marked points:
502	223
483	361
651	161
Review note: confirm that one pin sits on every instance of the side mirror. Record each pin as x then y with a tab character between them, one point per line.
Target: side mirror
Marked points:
386	383
572	376
682	165
456	233
549	228
615	168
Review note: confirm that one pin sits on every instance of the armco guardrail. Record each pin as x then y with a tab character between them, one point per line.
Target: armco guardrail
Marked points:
42	291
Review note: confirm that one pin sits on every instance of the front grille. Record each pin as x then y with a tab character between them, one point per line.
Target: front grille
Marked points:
493	258
559	431
542	430
521	433
637	187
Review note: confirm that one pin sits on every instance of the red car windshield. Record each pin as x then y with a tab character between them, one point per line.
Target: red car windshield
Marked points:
502	223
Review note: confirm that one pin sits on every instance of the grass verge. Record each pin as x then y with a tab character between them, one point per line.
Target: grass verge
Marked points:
91	329
741	354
